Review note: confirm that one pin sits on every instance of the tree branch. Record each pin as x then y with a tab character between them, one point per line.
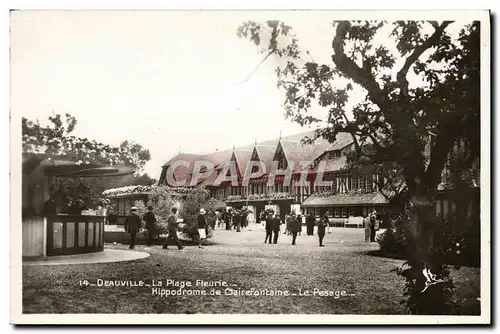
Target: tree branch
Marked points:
347	66
418	51
257	67
446	135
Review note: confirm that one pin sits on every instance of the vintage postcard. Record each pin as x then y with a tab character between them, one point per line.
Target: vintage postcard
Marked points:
250	167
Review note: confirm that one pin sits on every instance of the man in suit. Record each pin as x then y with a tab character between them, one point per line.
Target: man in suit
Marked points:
295	227
310	220
132	225
269	231
322	223
275	227
172	226
150	220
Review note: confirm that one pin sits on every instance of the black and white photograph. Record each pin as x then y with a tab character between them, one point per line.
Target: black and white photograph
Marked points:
250	167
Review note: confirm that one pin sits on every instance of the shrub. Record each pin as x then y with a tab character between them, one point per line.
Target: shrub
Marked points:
456	240
393	239
197	199
162	202
437	300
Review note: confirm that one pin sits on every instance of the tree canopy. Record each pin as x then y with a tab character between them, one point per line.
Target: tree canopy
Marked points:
56	139
420	95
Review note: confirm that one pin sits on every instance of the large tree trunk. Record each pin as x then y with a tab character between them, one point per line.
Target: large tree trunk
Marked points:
421	247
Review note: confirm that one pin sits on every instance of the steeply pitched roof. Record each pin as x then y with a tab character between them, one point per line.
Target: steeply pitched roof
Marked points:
331	165
292	147
242	158
341	140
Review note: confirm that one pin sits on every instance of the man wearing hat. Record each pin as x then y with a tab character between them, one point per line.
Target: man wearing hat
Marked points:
133	225
150	220
172	225
201	225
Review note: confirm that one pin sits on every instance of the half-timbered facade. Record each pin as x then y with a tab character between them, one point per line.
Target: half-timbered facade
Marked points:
295	170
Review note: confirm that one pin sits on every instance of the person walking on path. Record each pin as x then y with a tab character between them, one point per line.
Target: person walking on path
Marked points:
244	221
237	220
288	218
172	226
132	225
295	227
275	227
321	229
227	219
150	220
201	226
373	218
250	219
218	218
310	220
366	224
269	231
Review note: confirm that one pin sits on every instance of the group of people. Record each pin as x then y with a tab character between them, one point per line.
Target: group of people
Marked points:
235	218
371	223
238	219
293	225
205	223
133	223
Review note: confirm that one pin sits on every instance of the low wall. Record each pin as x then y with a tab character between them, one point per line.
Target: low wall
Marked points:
74	234
34	236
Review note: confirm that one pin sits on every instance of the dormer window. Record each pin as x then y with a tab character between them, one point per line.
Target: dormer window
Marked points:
282	163
334	154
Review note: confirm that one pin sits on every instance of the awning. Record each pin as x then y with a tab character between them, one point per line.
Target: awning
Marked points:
92	172
344	200
64	167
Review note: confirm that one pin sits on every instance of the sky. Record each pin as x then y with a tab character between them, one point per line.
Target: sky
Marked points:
168	80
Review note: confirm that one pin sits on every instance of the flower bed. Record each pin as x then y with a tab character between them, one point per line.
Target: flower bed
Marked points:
259	197
327	193
144	189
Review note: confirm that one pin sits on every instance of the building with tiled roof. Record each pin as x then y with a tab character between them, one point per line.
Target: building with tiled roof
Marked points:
348	195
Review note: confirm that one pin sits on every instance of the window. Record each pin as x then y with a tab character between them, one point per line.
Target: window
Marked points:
337	212
344	212
355	212
354	183
334	154
369	183
362	183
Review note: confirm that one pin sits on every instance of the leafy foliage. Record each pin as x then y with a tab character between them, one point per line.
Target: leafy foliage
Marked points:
194	201
438	300
162	202
404	131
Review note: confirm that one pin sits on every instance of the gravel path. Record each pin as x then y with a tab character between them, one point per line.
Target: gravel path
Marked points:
340	279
